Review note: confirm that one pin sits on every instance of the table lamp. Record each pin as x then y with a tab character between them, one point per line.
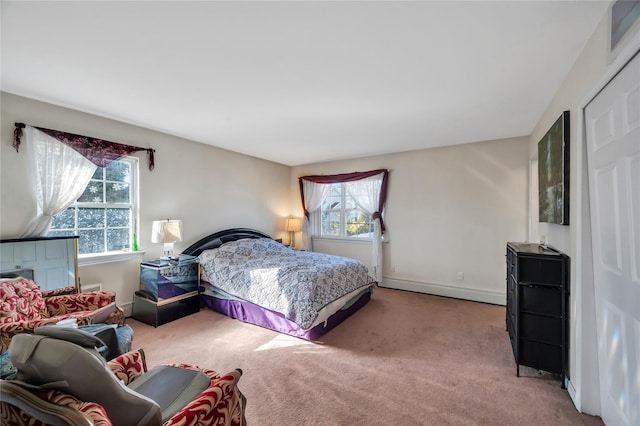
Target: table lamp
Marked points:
294	224
167	232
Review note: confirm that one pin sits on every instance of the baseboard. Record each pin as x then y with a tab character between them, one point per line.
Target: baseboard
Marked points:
447	291
127	308
572	393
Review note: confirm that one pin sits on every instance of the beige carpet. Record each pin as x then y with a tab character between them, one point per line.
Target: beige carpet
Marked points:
404	359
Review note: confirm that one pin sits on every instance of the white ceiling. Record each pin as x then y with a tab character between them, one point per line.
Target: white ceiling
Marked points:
300	82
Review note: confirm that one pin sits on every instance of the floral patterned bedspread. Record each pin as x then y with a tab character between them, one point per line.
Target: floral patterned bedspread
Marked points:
294	283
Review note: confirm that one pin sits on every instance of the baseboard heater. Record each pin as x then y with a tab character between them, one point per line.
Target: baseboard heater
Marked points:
86	288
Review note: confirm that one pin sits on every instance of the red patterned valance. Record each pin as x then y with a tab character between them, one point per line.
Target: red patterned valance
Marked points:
98	151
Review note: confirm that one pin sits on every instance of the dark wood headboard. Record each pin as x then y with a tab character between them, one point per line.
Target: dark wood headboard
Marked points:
216	240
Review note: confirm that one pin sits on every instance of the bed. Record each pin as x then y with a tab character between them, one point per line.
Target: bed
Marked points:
248	276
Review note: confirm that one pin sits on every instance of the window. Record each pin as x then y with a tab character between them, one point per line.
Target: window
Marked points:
349	206
104	216
340	217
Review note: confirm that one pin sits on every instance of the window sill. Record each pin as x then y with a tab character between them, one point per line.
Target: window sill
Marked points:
116	256
348	240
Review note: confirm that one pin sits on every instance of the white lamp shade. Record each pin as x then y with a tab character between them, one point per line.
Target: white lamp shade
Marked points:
294	224
166	231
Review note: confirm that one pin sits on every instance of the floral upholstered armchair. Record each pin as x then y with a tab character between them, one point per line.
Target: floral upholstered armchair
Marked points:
218	401
23	307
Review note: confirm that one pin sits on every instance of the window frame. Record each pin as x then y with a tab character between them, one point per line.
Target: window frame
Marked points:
134	205
316	218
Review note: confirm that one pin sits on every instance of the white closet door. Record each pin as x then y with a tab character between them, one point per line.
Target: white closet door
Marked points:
612	121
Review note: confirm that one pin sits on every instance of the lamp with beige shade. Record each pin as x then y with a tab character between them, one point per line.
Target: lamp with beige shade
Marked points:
294	224
167	232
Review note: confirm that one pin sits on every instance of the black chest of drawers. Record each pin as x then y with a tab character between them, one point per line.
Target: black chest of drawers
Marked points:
537	307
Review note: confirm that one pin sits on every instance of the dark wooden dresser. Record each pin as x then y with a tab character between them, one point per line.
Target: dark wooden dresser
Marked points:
537	307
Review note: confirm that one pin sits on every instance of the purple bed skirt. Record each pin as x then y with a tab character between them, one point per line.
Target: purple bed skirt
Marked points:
253	314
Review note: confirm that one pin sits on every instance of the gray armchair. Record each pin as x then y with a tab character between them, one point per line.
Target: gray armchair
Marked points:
57	362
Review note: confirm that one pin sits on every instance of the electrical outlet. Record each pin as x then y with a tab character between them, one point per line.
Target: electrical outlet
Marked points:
393	268
461	276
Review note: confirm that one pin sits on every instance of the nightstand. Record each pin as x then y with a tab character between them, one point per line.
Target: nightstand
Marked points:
168	291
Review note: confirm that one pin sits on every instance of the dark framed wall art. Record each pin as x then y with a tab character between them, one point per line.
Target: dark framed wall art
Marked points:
553	173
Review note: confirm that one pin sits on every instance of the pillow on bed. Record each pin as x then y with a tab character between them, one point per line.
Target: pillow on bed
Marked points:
247	246
219	242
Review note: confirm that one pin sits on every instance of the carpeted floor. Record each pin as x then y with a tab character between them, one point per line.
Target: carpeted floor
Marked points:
404	359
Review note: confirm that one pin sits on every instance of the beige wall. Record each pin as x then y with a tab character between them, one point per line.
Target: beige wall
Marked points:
449	210
583	78
208	188
588	75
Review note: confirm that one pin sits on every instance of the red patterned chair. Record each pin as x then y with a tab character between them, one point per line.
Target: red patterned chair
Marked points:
161	399
19	406
23	308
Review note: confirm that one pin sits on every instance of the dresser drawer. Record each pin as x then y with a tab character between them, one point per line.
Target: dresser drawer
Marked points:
540	300
511	312
540	328
512	337
511	293
540	356
535	270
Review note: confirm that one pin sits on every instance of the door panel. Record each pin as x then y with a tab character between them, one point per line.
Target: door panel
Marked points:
608	215
634	171
612	121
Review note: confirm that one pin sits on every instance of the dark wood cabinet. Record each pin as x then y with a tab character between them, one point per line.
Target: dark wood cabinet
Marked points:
537	307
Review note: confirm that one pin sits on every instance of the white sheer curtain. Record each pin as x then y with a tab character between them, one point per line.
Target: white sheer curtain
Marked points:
314	195
60	175
366	194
